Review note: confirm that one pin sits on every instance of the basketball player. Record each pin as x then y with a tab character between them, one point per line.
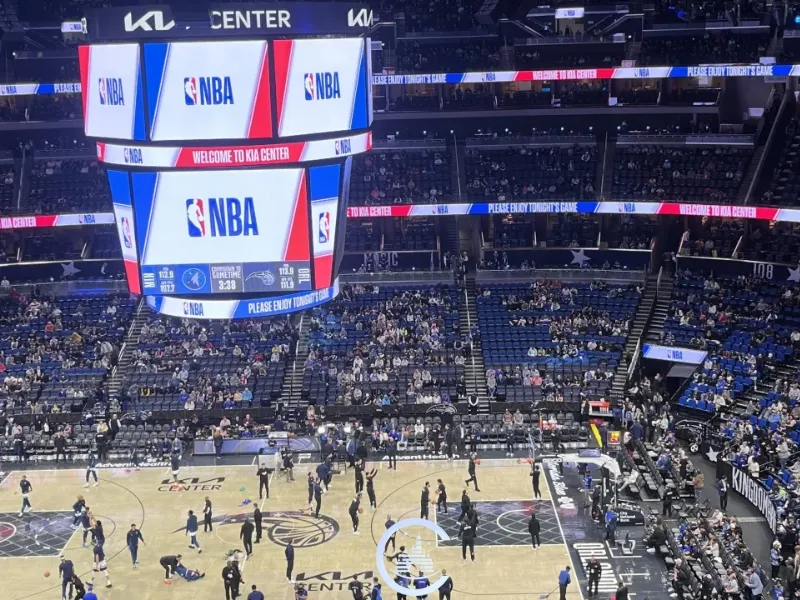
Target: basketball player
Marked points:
175	463
534	528
66	569
191	531
402	560
77	585
289	553
424	501
389	524
25	488
471	470
465	504
355	506
207	516
310	488
263	481
91	469
133	538
468	539
86	523
536	473
359	478
100	563
441	502
98	535
76	511
170	565
317	496
371	488
257	520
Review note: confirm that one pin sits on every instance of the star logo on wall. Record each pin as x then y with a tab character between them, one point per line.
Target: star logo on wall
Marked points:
69	269
712	454
579	257
794	275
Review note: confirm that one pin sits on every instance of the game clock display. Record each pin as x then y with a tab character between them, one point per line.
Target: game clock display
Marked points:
227	278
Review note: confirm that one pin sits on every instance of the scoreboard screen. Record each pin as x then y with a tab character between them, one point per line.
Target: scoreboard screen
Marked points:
223	232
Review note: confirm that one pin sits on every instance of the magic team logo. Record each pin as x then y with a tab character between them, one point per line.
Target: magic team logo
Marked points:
401	579
300	528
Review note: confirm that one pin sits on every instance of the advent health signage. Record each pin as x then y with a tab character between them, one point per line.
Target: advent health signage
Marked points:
672	354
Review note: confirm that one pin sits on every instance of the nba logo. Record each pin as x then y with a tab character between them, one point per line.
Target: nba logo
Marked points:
308	83
127	239
103	91
190	91
196	217
324	227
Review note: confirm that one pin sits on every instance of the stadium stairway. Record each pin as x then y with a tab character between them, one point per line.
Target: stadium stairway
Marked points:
293	380
640	319
125	359
754	394
663	300
606	167
474	367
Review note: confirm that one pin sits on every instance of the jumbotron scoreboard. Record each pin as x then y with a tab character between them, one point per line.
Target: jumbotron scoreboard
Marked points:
228	138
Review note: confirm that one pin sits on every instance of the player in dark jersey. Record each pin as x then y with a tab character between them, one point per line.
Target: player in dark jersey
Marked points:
91	469
207	516
355	507
473	460
424	501
175	464
77	507
371	488
66	569
25	488
441	502
100	564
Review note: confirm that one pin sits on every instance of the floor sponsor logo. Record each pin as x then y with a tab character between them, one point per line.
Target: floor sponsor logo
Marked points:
407	457
588	551
417	556
562	499
334	581
192	484
129	465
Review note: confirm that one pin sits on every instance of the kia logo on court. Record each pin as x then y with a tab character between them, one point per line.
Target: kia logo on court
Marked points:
192	484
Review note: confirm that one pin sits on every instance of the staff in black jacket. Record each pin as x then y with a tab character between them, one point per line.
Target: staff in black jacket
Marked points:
263	481
359	478
447	587
534	527
391	450
424	501
471	470
465	504
594	570
246	535
289	553
61	446
536	474
468	539
257	520
207	516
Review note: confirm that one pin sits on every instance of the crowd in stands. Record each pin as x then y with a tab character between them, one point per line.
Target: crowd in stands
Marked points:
463	55
585	56
61	186
710	47
713	238
553	341
387	345
783	188
531	173
772	242
55	353
385	177
192	365
631	232
682	174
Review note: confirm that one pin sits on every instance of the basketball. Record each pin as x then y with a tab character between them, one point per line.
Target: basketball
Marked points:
477	461
47	573
360	510
528	460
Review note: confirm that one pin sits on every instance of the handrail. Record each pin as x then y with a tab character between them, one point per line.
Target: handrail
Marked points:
635	360
738	246
658	280
605	157
760	167
458	168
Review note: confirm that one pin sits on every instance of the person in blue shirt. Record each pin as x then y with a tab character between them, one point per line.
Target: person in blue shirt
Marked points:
91	469
90	595
191	531
25	488
323	471
564	579
375	593
133	538
66	569
611	525
300	592
86	523
421	583
76	511
255	594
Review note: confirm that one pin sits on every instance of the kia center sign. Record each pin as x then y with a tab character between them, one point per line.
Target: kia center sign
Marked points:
228	20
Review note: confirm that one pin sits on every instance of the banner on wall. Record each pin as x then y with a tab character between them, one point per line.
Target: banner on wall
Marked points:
757	495
777	272
404	261
55	271
672	354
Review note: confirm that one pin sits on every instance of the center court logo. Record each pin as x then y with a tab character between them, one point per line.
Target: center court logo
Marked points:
417	556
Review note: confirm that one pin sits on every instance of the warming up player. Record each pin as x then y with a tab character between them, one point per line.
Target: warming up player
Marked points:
91	469
175	463
100	563
25	488
371	488
473	460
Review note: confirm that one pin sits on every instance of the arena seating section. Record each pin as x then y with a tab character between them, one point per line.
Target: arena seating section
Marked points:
419	325
566	364
783	188
216	356
62	186
385	177
57	352
531	173
681	174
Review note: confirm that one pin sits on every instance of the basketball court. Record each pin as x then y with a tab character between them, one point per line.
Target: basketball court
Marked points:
328	556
